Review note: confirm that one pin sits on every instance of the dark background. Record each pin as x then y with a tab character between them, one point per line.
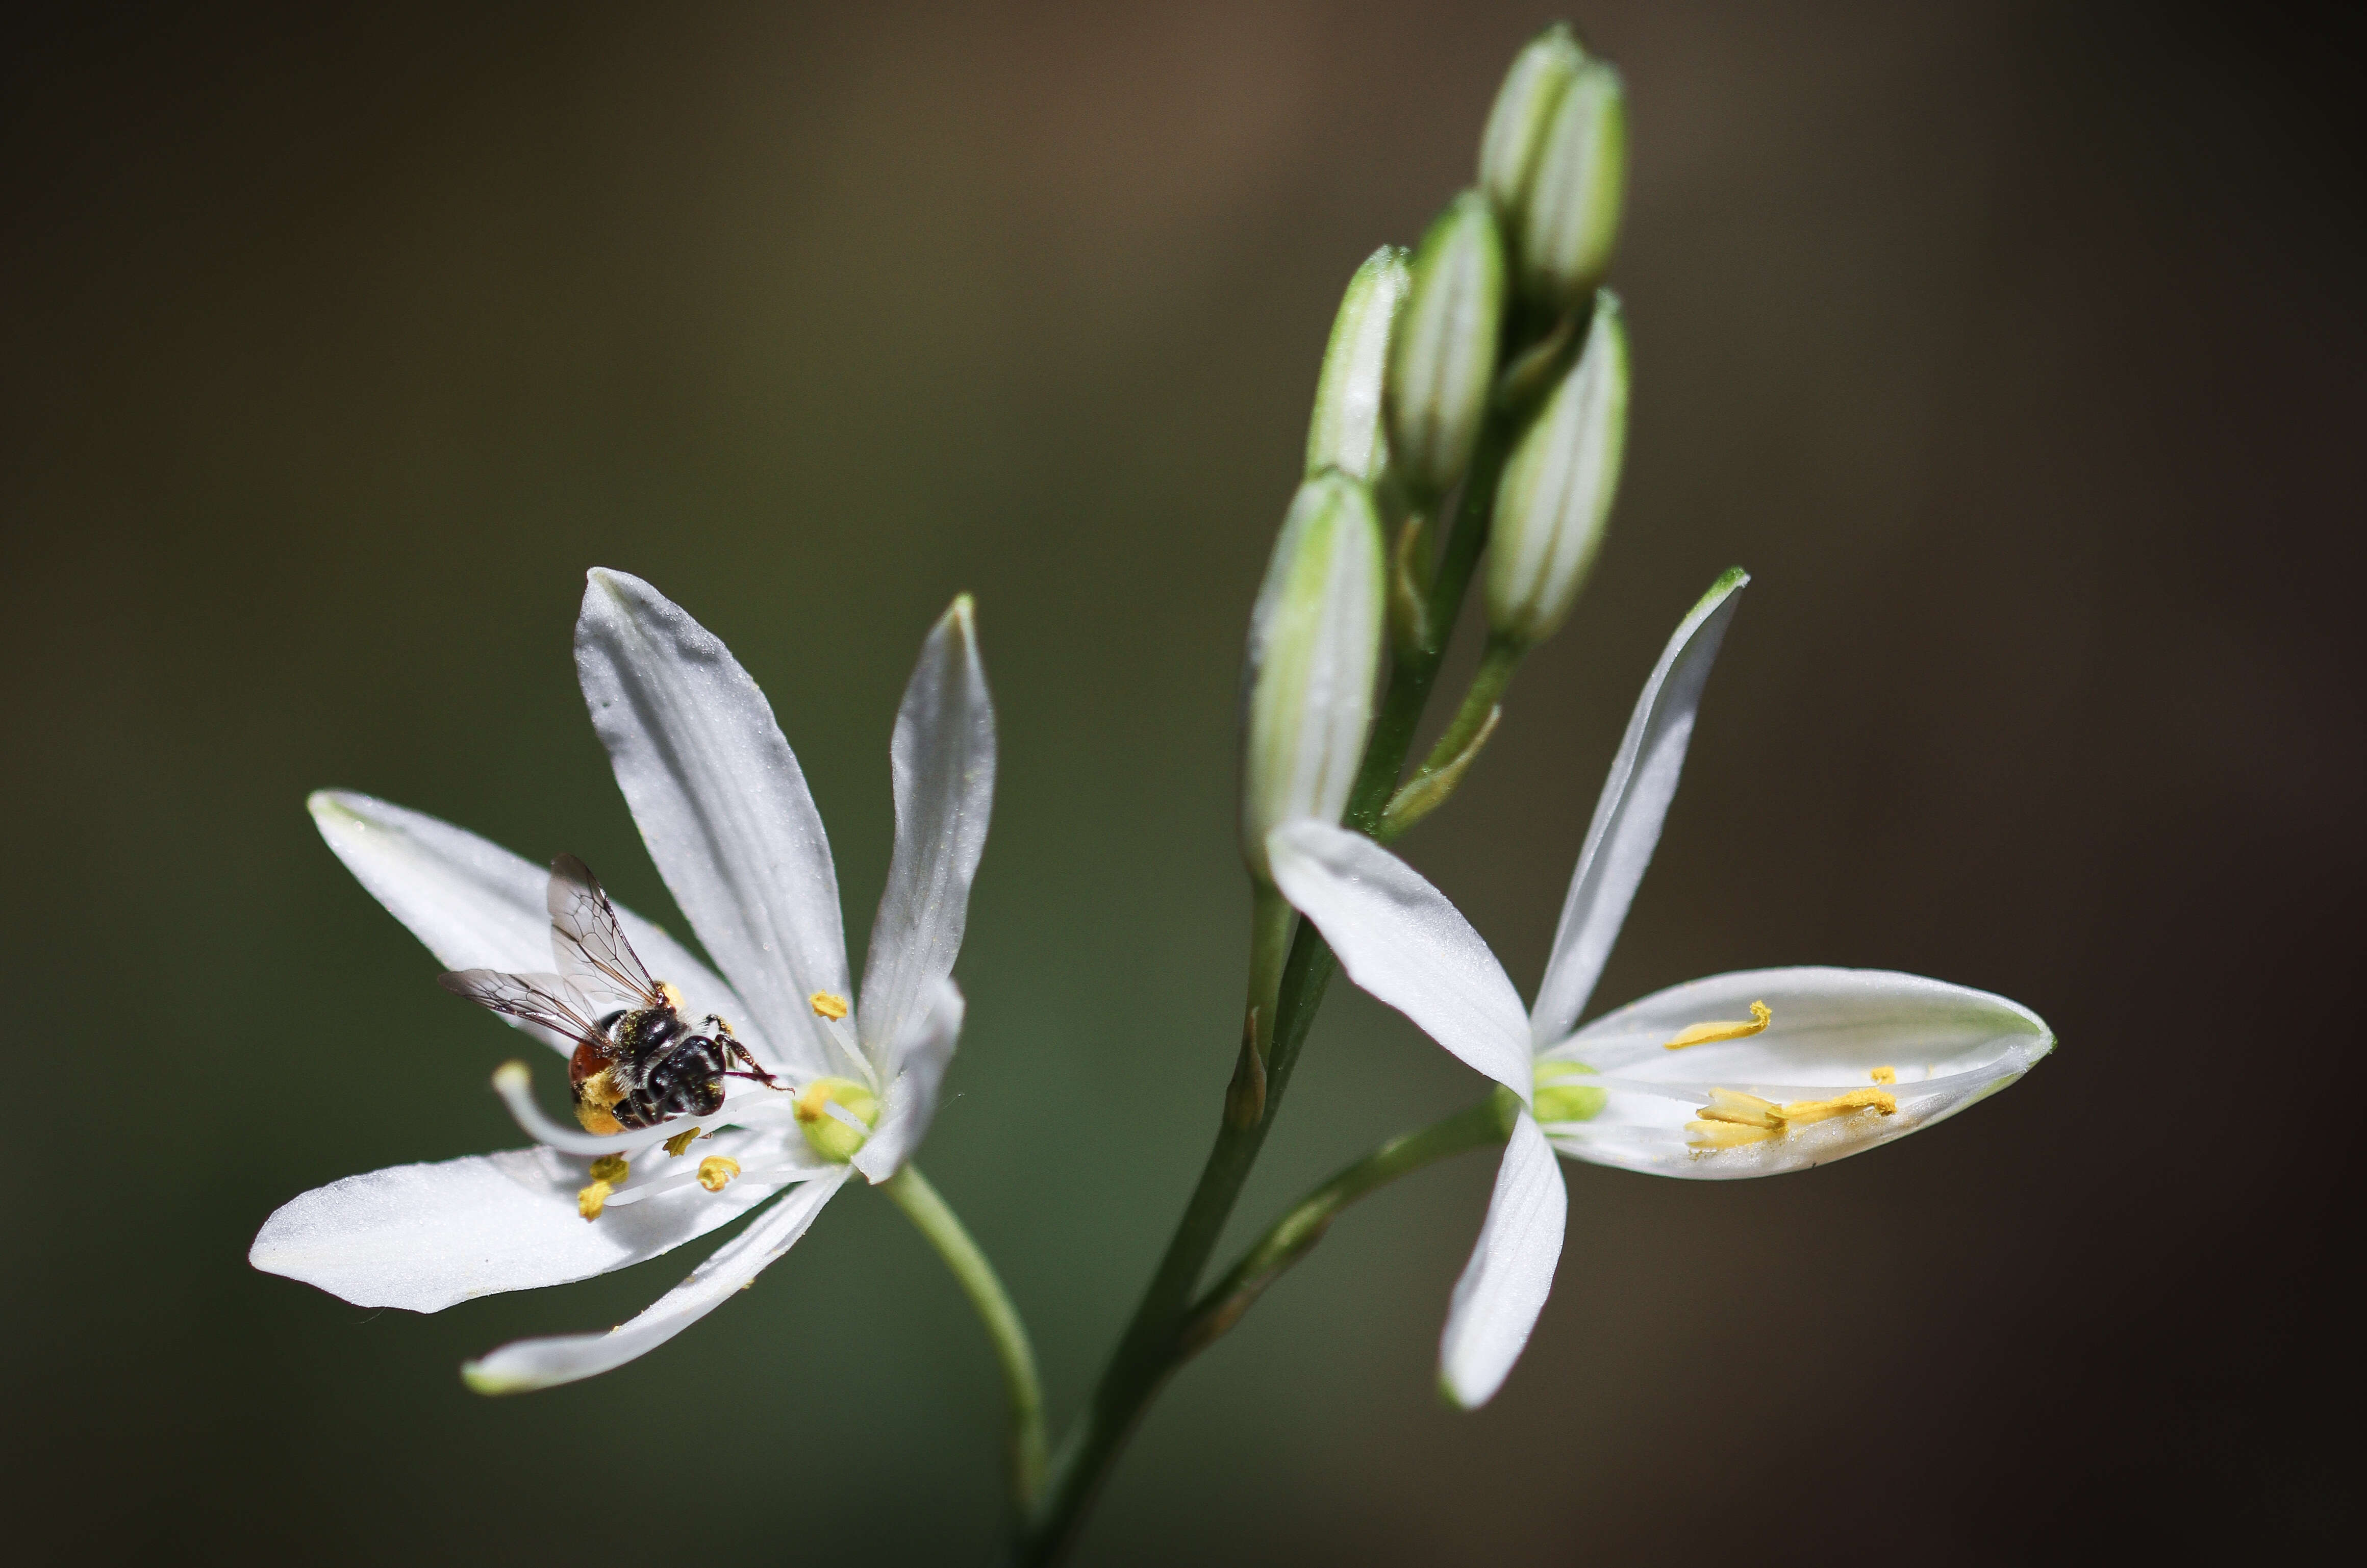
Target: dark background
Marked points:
2015	348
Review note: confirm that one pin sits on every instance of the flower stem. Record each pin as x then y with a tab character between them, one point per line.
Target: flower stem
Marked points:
1153	1344
1488	683
935	1220
1293	1237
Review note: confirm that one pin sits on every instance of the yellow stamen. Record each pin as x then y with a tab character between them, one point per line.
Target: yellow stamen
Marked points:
717	1170
827	1005
672	997
1727	1134
593	1198
1886	1075
1802	1112
612	1169
680	1141
1741	1110
1702	1034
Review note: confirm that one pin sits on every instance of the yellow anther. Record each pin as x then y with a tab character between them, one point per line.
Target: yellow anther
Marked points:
1886	1075
672	997
1727	1134
807	1106
717	1170
828	1006
680	1141
1799	1113
593	1198
612	1169
1702	1034
1742	1109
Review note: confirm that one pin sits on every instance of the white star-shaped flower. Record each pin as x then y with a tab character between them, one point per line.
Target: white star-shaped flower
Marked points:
724	809
1739	1075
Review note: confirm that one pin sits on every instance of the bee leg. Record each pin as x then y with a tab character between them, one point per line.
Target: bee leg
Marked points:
739	1054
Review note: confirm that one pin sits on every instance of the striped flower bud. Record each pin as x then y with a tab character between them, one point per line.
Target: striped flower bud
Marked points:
1567	217
1315	647
1443	350
1558	488
1347	433
1524	113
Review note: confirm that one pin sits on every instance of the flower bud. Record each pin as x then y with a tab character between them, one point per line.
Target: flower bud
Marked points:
1346	432
1315	647
1558	488
1523	112
1442	351
1567	213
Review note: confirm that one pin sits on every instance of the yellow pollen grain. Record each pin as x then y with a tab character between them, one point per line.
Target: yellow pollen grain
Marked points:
1800	1112
1702	1034
672	997
612	1169
593	1198
828	1006
1886	1075
717	1170
680	1141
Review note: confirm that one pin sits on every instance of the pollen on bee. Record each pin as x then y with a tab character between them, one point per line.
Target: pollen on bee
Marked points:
680	1141
672	996
593	1198
826	1005
1704	1034
716	1170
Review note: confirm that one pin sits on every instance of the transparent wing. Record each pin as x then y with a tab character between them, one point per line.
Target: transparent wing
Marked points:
587	940
554	1001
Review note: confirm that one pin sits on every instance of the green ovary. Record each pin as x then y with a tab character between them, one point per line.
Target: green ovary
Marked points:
1559	1099
830	1137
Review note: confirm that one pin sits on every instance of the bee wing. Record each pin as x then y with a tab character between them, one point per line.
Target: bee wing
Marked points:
554	1001
588	942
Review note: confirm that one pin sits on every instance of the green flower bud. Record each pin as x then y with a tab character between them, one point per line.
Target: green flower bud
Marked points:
1559	1099
1558	488
1347	433
1443	352
1524	113
1568	210
830	1137
1315	647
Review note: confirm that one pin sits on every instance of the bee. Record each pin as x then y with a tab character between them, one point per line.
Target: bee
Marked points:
636	1064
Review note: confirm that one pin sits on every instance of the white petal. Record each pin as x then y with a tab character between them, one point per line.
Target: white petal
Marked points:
943	761
544	1363
1400	938
423	1236
477	905
1633	805
720	803
1947	1046
911	1102
1511	1273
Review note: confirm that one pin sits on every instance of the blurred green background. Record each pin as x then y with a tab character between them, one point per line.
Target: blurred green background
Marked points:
2015	348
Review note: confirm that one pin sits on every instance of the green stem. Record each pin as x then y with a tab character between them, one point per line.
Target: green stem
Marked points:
935	1220
1153	1344
1270	919
1495	672
1293	1237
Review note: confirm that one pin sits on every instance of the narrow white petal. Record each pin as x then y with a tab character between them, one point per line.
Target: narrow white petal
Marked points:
545	1363
1400	938
943	761
423	1236
912	1100
1944	1047
477	905
1511	1273
720	803
1633	805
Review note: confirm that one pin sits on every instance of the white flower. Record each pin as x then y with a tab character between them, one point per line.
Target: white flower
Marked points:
725	815
1737	1074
